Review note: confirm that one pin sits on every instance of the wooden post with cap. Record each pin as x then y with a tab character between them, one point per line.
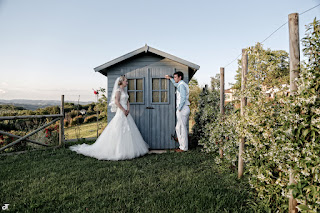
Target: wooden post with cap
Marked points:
294	54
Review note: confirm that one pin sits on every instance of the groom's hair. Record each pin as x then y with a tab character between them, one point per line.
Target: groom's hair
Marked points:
179	74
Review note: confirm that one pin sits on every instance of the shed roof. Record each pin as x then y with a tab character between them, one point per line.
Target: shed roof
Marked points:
146	49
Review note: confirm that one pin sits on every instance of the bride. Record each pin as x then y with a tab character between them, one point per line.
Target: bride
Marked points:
121	139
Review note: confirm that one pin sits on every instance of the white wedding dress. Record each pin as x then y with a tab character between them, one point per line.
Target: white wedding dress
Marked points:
120	140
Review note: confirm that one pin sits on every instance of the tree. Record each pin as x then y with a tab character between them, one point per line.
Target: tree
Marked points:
273	66
102	107
215	82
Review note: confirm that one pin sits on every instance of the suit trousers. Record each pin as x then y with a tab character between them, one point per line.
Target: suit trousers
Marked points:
181	127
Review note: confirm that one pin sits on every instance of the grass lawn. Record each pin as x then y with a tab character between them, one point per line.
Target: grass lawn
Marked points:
63	181
86	130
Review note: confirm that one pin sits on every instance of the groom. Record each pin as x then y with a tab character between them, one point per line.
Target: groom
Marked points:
183	109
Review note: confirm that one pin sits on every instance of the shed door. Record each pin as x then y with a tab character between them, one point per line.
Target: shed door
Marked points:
152	105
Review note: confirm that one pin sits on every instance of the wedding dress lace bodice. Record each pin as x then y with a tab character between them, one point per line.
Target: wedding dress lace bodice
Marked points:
123	98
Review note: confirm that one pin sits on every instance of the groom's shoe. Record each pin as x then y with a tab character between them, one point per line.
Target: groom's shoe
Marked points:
179	150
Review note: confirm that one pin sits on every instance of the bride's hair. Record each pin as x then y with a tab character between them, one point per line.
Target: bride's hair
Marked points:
122	78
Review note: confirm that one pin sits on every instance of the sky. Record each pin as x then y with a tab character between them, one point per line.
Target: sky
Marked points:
49	48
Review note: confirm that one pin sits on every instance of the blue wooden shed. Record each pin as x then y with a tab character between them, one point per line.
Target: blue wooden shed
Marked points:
151	96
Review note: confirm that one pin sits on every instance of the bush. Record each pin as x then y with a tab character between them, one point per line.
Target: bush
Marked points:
90	119
5	140
76	120
206	117
73	113
66	122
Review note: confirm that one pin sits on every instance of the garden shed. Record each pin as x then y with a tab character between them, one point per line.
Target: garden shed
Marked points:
151	96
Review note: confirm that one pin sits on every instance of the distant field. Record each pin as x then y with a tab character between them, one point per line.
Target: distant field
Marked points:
90	130
86	130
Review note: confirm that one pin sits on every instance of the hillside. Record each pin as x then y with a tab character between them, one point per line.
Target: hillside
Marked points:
36	104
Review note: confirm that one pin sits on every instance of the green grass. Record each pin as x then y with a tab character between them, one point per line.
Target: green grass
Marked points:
86	130
63	181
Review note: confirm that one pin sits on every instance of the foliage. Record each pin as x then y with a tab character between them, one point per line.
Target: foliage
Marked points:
66	122
282	134
273	66
215	82
223	135
306	125
72	114
194	97
10	107
206	115
13	111
49	136
90	119
263	124
68	107
5	140
102	107
50	110
76	120
211	130
90	108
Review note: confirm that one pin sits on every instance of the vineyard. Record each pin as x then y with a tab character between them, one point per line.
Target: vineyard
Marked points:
281	135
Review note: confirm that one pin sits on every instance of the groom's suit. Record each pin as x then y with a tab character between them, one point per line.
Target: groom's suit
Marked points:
182	113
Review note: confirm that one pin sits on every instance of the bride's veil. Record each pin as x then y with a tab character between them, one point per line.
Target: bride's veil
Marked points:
113	96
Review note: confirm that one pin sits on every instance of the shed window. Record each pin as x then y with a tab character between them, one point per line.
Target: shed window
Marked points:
160	90
135	90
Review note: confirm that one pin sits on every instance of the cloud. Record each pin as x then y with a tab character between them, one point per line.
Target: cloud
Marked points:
2	91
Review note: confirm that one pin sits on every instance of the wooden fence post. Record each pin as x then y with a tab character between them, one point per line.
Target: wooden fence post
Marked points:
61	126
222	90
221	102
294	54
243	104
294	50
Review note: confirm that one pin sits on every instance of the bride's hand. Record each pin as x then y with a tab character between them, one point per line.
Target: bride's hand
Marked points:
126	112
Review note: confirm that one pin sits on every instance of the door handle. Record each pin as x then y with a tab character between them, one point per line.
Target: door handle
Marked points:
149	108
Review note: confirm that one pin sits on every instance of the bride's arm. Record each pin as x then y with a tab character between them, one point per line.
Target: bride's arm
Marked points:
117	102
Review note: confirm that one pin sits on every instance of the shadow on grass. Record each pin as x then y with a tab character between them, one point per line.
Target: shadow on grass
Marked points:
64	181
